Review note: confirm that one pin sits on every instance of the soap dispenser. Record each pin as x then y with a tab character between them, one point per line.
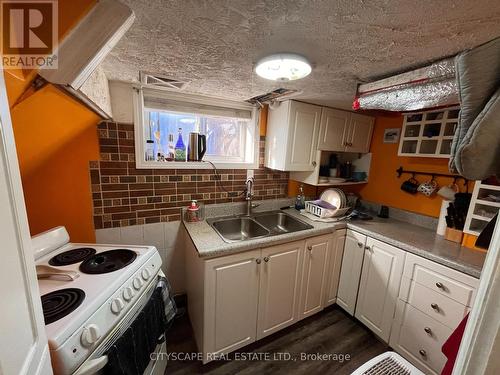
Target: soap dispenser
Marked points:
300	201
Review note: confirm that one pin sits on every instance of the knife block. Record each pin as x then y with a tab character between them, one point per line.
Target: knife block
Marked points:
454	235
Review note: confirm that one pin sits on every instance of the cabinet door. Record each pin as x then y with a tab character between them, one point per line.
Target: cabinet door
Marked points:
350	272
360	133
334	263
304	120
279	287
333	130
379	286
314	275
231	296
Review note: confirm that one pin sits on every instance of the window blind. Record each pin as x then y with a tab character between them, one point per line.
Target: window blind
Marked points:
196	104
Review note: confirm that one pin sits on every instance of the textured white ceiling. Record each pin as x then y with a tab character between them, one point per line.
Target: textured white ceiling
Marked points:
215	44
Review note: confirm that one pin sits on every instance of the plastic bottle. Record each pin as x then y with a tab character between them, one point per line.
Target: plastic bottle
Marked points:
180	148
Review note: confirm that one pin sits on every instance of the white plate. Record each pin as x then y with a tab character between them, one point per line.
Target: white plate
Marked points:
336	180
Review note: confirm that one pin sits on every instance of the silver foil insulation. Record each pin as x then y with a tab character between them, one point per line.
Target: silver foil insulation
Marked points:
431	86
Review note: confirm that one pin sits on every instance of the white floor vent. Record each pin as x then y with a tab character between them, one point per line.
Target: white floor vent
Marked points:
388	363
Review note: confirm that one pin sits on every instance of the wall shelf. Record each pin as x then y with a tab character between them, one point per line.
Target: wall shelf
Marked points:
429	134
340	183
481	211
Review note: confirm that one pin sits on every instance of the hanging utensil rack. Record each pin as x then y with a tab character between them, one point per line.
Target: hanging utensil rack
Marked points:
455	177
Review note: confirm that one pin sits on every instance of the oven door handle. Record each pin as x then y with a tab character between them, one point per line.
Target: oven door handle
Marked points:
92	366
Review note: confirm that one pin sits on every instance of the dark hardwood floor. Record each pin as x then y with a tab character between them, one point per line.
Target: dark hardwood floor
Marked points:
331	331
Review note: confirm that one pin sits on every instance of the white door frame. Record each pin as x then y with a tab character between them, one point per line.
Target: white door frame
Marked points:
480	349
22	329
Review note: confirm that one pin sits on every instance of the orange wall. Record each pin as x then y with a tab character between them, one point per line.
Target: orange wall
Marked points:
56	137
384	186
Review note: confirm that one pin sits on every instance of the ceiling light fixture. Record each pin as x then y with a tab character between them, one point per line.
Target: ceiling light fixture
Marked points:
283	67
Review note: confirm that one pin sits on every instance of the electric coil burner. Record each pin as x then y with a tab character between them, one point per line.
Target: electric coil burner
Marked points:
108	261
58	304
72	256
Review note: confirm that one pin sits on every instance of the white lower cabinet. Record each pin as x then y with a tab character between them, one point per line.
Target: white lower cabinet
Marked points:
314	275
379	286
350	272
279	287
334	264
232	285
237	299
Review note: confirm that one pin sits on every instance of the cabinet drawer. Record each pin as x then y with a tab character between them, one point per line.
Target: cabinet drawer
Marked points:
423	347
437	306
443	280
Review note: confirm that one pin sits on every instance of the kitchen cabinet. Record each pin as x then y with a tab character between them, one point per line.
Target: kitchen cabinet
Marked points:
314	275
292	136
350	273
237	299
334	130
334	264
280	268
433	300
345	131
379	286
360	133
232	285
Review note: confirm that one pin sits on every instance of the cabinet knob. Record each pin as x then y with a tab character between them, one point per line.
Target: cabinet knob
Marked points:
368	248
439	285
309	247
360	244
266	259
423	353
258	261
313	163
428	330
435	306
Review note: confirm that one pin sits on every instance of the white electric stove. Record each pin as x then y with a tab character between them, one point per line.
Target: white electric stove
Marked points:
86	290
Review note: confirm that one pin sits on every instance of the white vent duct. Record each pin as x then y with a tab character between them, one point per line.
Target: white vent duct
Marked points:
431	86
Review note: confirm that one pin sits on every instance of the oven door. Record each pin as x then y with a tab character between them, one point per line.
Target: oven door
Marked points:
98	360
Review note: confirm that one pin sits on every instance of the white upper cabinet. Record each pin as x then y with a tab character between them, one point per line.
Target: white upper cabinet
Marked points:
379	287
292	136
296	131
360	133
334	130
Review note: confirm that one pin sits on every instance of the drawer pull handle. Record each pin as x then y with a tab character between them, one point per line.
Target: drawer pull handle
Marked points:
435	306
360	244
266	259
258	260
440	285
423	353
428	330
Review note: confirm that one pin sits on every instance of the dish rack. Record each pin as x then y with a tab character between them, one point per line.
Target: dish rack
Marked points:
322	212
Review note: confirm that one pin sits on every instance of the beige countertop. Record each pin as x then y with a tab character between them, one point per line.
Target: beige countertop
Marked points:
412	238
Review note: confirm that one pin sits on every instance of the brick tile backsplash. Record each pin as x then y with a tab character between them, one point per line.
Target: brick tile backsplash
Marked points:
123	195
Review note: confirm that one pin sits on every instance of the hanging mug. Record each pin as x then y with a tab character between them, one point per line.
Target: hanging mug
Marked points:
410	186
448	192
428	188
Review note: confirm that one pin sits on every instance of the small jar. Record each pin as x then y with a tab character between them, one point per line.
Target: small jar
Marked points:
149	151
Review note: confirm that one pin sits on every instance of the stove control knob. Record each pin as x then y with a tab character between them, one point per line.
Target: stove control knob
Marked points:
137	283
117	306
90	335
145	274
128	293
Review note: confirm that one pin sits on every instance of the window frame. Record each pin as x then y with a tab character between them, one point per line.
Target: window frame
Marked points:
252	146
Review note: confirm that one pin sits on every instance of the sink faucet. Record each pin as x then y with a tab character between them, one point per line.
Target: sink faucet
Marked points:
248	196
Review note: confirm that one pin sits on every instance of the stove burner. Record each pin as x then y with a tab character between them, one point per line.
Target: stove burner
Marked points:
58	304
108	261
72	256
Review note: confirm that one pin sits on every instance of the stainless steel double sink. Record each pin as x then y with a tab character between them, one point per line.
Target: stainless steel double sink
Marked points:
243	228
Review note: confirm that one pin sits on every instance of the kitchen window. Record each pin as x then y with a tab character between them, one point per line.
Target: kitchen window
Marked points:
165	119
